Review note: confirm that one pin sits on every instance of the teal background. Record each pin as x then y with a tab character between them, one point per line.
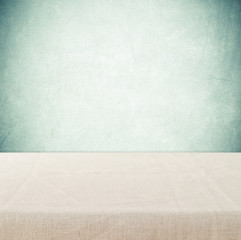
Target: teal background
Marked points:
123	75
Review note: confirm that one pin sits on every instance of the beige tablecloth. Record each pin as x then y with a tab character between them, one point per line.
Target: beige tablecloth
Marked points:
118	196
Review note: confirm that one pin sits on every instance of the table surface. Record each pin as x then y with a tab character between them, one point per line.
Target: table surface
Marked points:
198	191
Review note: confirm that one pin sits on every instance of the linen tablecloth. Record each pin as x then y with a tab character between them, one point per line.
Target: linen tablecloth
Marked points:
120	196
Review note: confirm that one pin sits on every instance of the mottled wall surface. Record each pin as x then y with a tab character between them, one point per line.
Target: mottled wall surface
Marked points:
120	75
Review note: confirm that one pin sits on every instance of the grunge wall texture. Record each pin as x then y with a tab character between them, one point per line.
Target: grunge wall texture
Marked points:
120	75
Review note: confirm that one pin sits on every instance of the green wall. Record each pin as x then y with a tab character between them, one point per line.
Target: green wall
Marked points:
120	75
